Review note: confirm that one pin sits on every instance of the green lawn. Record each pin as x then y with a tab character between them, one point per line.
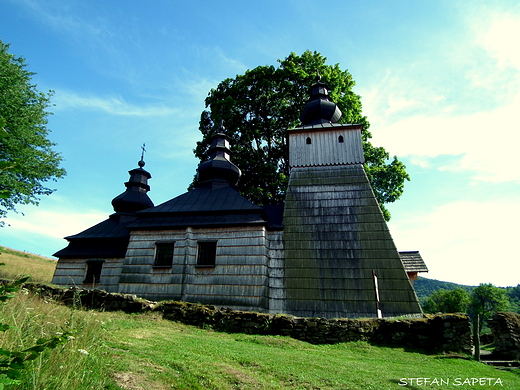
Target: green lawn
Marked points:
153	351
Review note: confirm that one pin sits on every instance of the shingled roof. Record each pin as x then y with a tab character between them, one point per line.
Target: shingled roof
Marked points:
206	205
214	202
109	239
413	262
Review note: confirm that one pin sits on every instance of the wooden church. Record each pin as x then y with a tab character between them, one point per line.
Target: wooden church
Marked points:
326	252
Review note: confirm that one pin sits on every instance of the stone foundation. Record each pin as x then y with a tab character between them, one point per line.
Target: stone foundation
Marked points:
432	334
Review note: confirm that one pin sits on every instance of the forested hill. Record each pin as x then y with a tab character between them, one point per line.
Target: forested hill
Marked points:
425	287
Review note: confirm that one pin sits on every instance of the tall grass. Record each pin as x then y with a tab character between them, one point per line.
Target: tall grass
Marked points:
78	364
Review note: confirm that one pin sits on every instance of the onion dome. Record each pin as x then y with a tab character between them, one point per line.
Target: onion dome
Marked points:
219	167
135	197
319	108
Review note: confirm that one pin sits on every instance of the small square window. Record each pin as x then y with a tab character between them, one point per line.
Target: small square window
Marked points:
206	253
93	274
163	254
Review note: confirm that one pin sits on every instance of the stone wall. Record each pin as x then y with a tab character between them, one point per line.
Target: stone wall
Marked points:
506	333
439	333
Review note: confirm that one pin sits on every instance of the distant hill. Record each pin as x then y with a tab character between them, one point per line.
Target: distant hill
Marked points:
425	287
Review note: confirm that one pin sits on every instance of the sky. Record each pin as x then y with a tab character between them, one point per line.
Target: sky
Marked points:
439	82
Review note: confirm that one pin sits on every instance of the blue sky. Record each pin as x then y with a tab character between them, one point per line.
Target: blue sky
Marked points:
439	81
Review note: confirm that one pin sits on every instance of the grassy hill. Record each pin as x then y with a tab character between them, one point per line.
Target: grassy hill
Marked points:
114	350
19	263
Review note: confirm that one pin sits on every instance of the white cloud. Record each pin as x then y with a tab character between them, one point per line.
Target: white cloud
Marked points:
498	34
112	105
53	223
465	242
42	229
487	141
477	120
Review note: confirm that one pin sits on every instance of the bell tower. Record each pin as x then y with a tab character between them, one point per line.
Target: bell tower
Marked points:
340	259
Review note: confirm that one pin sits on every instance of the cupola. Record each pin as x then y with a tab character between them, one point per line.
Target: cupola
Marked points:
135	197
320	108
219	167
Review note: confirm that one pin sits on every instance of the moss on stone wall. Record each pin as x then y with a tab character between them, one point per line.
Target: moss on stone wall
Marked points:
440	333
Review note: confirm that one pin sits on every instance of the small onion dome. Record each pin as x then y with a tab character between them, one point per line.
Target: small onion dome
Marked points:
219	166
320	109
135	197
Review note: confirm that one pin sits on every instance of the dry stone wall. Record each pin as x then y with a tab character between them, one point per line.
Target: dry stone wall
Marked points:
506	333
439	333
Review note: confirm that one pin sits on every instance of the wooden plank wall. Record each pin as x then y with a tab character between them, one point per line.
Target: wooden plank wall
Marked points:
239	279
276	272
325	148
72	272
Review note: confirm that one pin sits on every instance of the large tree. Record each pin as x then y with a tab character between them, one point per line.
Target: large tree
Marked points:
259	106
27	160
487	299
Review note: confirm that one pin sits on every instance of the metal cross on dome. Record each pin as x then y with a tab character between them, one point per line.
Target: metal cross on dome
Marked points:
142	163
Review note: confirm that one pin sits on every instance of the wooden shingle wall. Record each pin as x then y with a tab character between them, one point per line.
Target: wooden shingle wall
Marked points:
276	272
72	272
335	237
238	279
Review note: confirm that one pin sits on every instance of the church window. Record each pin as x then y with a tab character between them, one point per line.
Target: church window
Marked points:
206	253
340	139
164	254
308	141
93	274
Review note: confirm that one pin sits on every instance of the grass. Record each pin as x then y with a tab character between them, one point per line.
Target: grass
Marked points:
145	351
19	263
113	350
78	364
154	351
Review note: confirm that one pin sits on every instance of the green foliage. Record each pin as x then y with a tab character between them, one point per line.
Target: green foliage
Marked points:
447	301
27	159
514	298
425	287
487	299
259	106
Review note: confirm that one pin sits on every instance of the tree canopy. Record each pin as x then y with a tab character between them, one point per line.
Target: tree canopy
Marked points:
259	106
27	160
487	299
447	301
